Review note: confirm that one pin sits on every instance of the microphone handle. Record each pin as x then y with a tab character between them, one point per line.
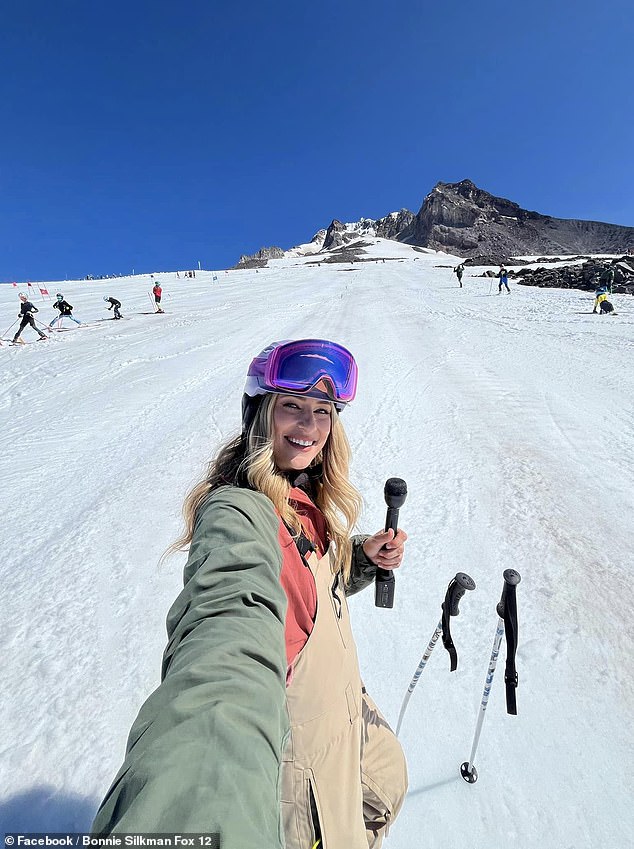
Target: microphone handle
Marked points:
384	582
391	519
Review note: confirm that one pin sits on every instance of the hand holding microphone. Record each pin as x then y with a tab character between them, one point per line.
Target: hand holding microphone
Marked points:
386	547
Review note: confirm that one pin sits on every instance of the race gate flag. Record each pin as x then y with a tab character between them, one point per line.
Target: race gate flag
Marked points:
43	291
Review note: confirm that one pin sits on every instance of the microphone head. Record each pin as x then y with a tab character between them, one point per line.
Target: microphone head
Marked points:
395	492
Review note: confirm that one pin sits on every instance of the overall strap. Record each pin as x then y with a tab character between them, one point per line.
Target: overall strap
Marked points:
304	545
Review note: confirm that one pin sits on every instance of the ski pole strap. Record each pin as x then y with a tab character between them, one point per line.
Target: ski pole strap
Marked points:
456	589
507	610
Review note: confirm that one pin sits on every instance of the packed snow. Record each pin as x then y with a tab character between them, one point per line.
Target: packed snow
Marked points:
509	416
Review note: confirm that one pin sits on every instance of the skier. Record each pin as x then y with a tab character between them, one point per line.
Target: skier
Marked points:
261	730
607	278
113	303
504	280
65	310
27	310
601	301
157	291
459	271
606	307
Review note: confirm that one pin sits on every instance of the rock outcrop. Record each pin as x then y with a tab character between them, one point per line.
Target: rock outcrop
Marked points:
394	225
462	219
259	259
339	234
582	276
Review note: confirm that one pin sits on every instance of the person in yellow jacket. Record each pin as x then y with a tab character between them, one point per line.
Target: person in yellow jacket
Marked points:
601	301
261	731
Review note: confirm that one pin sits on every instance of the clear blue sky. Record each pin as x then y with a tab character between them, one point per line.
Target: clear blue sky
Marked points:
152	135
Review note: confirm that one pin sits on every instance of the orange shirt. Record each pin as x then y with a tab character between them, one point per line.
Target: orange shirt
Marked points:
296	578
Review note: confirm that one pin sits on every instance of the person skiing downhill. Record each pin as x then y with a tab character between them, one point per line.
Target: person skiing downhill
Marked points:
504	280
157	292
113	303
65	310
26	314
459	271
261	730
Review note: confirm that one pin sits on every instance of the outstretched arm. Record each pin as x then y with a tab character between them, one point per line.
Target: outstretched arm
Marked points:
204	753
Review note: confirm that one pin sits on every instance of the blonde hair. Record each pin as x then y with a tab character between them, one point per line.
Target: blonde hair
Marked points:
248	461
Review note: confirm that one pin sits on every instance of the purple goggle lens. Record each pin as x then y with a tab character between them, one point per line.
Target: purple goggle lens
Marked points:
297	366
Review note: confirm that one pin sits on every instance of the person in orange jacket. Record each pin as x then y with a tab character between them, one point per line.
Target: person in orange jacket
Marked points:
157	291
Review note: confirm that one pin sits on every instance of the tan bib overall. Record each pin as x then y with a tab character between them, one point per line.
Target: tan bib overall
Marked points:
343	772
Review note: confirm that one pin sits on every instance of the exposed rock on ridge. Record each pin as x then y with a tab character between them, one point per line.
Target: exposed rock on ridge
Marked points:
259	259
462	219
394	225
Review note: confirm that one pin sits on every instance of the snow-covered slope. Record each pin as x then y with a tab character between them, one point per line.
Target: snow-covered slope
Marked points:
510	418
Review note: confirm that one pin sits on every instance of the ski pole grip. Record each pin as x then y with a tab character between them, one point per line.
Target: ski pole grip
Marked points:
456	589
460	584
511	580
507	610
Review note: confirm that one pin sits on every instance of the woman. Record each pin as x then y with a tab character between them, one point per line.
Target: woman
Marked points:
26	316
261	730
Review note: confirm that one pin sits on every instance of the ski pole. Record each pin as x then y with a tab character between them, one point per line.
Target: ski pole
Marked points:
507	619
455	591
152	302
9	328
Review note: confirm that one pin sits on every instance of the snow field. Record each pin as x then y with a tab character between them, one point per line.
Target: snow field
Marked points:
510	418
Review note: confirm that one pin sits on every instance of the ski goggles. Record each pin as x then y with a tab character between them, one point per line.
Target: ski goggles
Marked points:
297	368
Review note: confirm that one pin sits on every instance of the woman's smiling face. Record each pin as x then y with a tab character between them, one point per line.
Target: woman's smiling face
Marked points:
301	427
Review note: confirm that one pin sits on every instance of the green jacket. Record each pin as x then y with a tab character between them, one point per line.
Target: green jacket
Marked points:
204	753
607	278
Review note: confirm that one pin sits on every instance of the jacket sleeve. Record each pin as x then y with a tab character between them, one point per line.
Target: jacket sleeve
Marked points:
204	753
363	570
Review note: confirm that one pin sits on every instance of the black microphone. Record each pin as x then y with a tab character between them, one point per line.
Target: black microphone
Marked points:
395	493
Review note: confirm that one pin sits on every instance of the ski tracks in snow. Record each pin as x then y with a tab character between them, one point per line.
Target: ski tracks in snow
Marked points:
514	437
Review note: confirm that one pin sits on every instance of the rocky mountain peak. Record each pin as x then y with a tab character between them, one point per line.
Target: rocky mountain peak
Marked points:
462	219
